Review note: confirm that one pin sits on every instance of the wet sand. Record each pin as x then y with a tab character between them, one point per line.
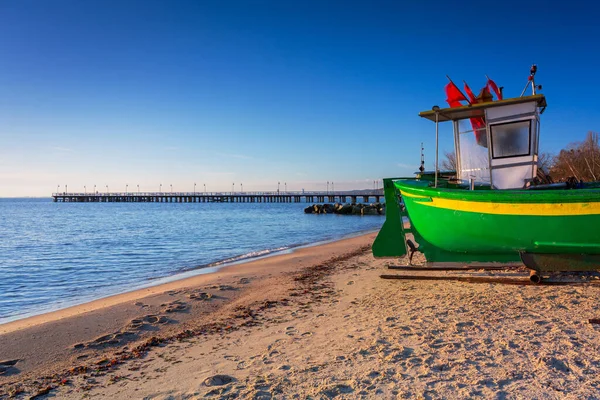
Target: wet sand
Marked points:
316	323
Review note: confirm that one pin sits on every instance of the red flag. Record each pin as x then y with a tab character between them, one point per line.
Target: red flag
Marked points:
469	92
478	123
491	84
453	95
480	136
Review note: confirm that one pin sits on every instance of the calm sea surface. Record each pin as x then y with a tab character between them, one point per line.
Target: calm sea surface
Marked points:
54	255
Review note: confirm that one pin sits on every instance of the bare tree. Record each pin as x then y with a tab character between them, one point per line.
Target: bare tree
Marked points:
546	162
449	164
580	160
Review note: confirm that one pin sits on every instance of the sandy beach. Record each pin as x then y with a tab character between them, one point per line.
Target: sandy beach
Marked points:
316	323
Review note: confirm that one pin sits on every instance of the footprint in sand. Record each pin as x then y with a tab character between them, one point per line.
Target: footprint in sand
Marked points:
460	325
262	395
218	380
136	324
374	374
290	330
415	361
200	296
155	319
175	306
7	365
110	340
554	363
105	340
123	334
336	390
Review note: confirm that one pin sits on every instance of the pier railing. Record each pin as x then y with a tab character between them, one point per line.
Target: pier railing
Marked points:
221	197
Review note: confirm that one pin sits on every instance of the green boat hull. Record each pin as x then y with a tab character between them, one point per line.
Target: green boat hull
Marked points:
494	226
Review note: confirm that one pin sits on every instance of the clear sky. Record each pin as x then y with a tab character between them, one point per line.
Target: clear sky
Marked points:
259	92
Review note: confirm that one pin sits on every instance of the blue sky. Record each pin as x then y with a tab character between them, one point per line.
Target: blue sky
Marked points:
256	92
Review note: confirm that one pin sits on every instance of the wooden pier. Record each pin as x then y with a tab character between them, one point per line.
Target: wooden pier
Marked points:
226	197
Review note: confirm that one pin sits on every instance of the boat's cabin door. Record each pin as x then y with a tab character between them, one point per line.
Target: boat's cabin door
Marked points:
513	132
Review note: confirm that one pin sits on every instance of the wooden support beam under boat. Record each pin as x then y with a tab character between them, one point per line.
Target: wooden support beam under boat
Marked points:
467	268
478	279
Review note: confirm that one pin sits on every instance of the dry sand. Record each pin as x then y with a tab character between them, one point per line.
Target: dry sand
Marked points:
317	323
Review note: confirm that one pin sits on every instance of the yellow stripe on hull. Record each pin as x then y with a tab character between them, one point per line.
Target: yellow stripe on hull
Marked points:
533	209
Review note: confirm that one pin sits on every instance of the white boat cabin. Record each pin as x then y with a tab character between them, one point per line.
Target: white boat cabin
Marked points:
496	142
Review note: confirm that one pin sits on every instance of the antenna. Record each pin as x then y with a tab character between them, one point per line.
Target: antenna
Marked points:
422	167
531	80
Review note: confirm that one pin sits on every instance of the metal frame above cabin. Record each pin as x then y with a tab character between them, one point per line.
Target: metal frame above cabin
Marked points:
478	110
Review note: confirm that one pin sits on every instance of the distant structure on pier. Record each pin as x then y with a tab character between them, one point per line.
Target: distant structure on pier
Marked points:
222	197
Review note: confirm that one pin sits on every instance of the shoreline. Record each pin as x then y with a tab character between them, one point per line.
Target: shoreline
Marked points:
52	344
172	283
207	269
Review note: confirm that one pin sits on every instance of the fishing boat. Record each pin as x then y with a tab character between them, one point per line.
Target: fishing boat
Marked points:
492	209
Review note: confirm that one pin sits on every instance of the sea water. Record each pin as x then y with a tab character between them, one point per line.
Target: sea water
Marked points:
53	255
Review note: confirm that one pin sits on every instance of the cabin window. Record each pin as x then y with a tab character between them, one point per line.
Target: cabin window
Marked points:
511	139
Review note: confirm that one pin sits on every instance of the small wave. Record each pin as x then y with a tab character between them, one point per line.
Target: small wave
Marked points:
234	259
252	254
